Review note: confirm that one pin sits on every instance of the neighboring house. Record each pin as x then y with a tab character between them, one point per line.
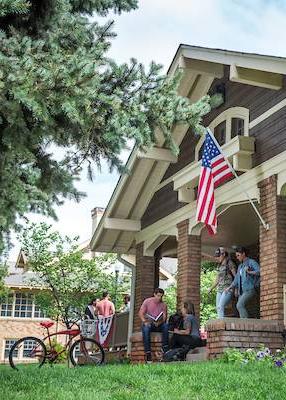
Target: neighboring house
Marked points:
19	314
151	213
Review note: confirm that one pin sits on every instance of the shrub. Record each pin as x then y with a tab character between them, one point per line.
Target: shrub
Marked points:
55	348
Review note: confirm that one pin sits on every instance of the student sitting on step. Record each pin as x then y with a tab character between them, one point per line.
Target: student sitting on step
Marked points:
189	336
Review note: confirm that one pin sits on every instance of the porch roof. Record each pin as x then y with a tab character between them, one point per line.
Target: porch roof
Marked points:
121	221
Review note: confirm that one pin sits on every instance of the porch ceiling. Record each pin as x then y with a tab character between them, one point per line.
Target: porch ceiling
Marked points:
239	225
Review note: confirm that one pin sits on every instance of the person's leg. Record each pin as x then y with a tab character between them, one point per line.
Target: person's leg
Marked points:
174	341
146	334
225	298
164	328
242	301
218	296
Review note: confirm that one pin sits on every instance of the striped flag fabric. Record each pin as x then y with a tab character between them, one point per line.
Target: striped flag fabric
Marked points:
215	170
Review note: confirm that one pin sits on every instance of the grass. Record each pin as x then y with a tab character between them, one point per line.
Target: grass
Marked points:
182	381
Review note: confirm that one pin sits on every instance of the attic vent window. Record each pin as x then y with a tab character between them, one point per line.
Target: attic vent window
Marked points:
226	126
219	133
237	127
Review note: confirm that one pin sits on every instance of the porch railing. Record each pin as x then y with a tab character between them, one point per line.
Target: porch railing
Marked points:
120	330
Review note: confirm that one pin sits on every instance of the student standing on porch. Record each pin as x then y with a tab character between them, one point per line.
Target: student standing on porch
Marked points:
153	314
225	275
105	307
247	280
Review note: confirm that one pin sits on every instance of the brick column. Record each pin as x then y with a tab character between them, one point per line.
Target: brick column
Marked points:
272	250
144	281
189	267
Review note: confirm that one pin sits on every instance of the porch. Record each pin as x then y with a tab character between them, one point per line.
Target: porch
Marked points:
189	243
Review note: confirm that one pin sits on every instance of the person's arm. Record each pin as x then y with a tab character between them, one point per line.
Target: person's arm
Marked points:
253	268
112	308
142	312
232	268
187	328
234	283
214	284
182	331
164	317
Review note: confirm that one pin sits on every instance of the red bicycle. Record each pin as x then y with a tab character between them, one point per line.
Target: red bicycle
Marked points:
32	351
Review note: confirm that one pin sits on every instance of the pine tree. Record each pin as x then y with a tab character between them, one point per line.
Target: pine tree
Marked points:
58	87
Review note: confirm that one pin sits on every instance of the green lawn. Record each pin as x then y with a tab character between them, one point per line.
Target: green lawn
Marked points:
201	381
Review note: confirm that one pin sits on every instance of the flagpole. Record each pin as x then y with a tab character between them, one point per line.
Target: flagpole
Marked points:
265	225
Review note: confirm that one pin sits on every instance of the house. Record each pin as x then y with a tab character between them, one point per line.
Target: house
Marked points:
151	213
19	314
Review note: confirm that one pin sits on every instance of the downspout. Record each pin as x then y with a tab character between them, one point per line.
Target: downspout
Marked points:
132	300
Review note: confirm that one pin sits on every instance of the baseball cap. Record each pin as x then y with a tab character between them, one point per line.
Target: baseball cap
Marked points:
220	251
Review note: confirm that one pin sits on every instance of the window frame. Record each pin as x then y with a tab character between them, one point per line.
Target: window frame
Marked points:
227	115
35	308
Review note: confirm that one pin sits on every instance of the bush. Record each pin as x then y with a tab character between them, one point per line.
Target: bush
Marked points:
55	348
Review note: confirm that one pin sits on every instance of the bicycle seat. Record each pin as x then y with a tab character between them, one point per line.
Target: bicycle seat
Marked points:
47	324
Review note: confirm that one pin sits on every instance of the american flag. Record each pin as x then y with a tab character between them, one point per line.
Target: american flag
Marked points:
215	170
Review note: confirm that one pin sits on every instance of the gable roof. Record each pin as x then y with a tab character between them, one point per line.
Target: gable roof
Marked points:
122	218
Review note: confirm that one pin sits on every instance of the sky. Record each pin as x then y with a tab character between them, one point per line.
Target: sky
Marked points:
154	32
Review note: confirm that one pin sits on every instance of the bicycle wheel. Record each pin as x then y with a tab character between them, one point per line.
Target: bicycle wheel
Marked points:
86	351
28	352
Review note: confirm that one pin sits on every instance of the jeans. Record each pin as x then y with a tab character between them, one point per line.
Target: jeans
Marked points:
222	300
243	300
146	333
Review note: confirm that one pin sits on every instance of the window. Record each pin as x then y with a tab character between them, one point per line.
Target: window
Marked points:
230	123
6	308
201	152
38	313
8	344
28	346
219	133
237	127
21	305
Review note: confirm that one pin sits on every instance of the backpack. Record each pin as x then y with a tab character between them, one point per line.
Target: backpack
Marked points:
178	354
175	321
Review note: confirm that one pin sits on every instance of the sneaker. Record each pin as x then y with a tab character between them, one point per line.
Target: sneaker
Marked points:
148	358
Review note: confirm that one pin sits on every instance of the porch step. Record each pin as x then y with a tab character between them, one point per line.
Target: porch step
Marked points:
197	354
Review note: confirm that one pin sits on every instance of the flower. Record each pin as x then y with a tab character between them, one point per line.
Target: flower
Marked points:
278	363
260	355
267	351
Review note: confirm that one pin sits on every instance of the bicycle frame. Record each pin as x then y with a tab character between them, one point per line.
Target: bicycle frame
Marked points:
72	333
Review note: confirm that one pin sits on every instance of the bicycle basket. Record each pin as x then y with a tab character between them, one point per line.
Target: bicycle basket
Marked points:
88	327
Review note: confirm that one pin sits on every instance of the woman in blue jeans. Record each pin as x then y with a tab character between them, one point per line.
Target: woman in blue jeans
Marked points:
225	276
246	281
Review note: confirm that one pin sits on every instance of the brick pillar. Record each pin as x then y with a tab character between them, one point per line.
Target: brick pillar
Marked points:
272	250
157	257
189	267
144	282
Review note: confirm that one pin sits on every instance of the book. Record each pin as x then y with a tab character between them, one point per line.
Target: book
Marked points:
155	319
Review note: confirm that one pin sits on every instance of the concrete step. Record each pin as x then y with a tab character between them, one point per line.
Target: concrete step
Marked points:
197	354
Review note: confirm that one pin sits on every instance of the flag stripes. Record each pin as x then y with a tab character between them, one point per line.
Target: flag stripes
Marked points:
215	170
